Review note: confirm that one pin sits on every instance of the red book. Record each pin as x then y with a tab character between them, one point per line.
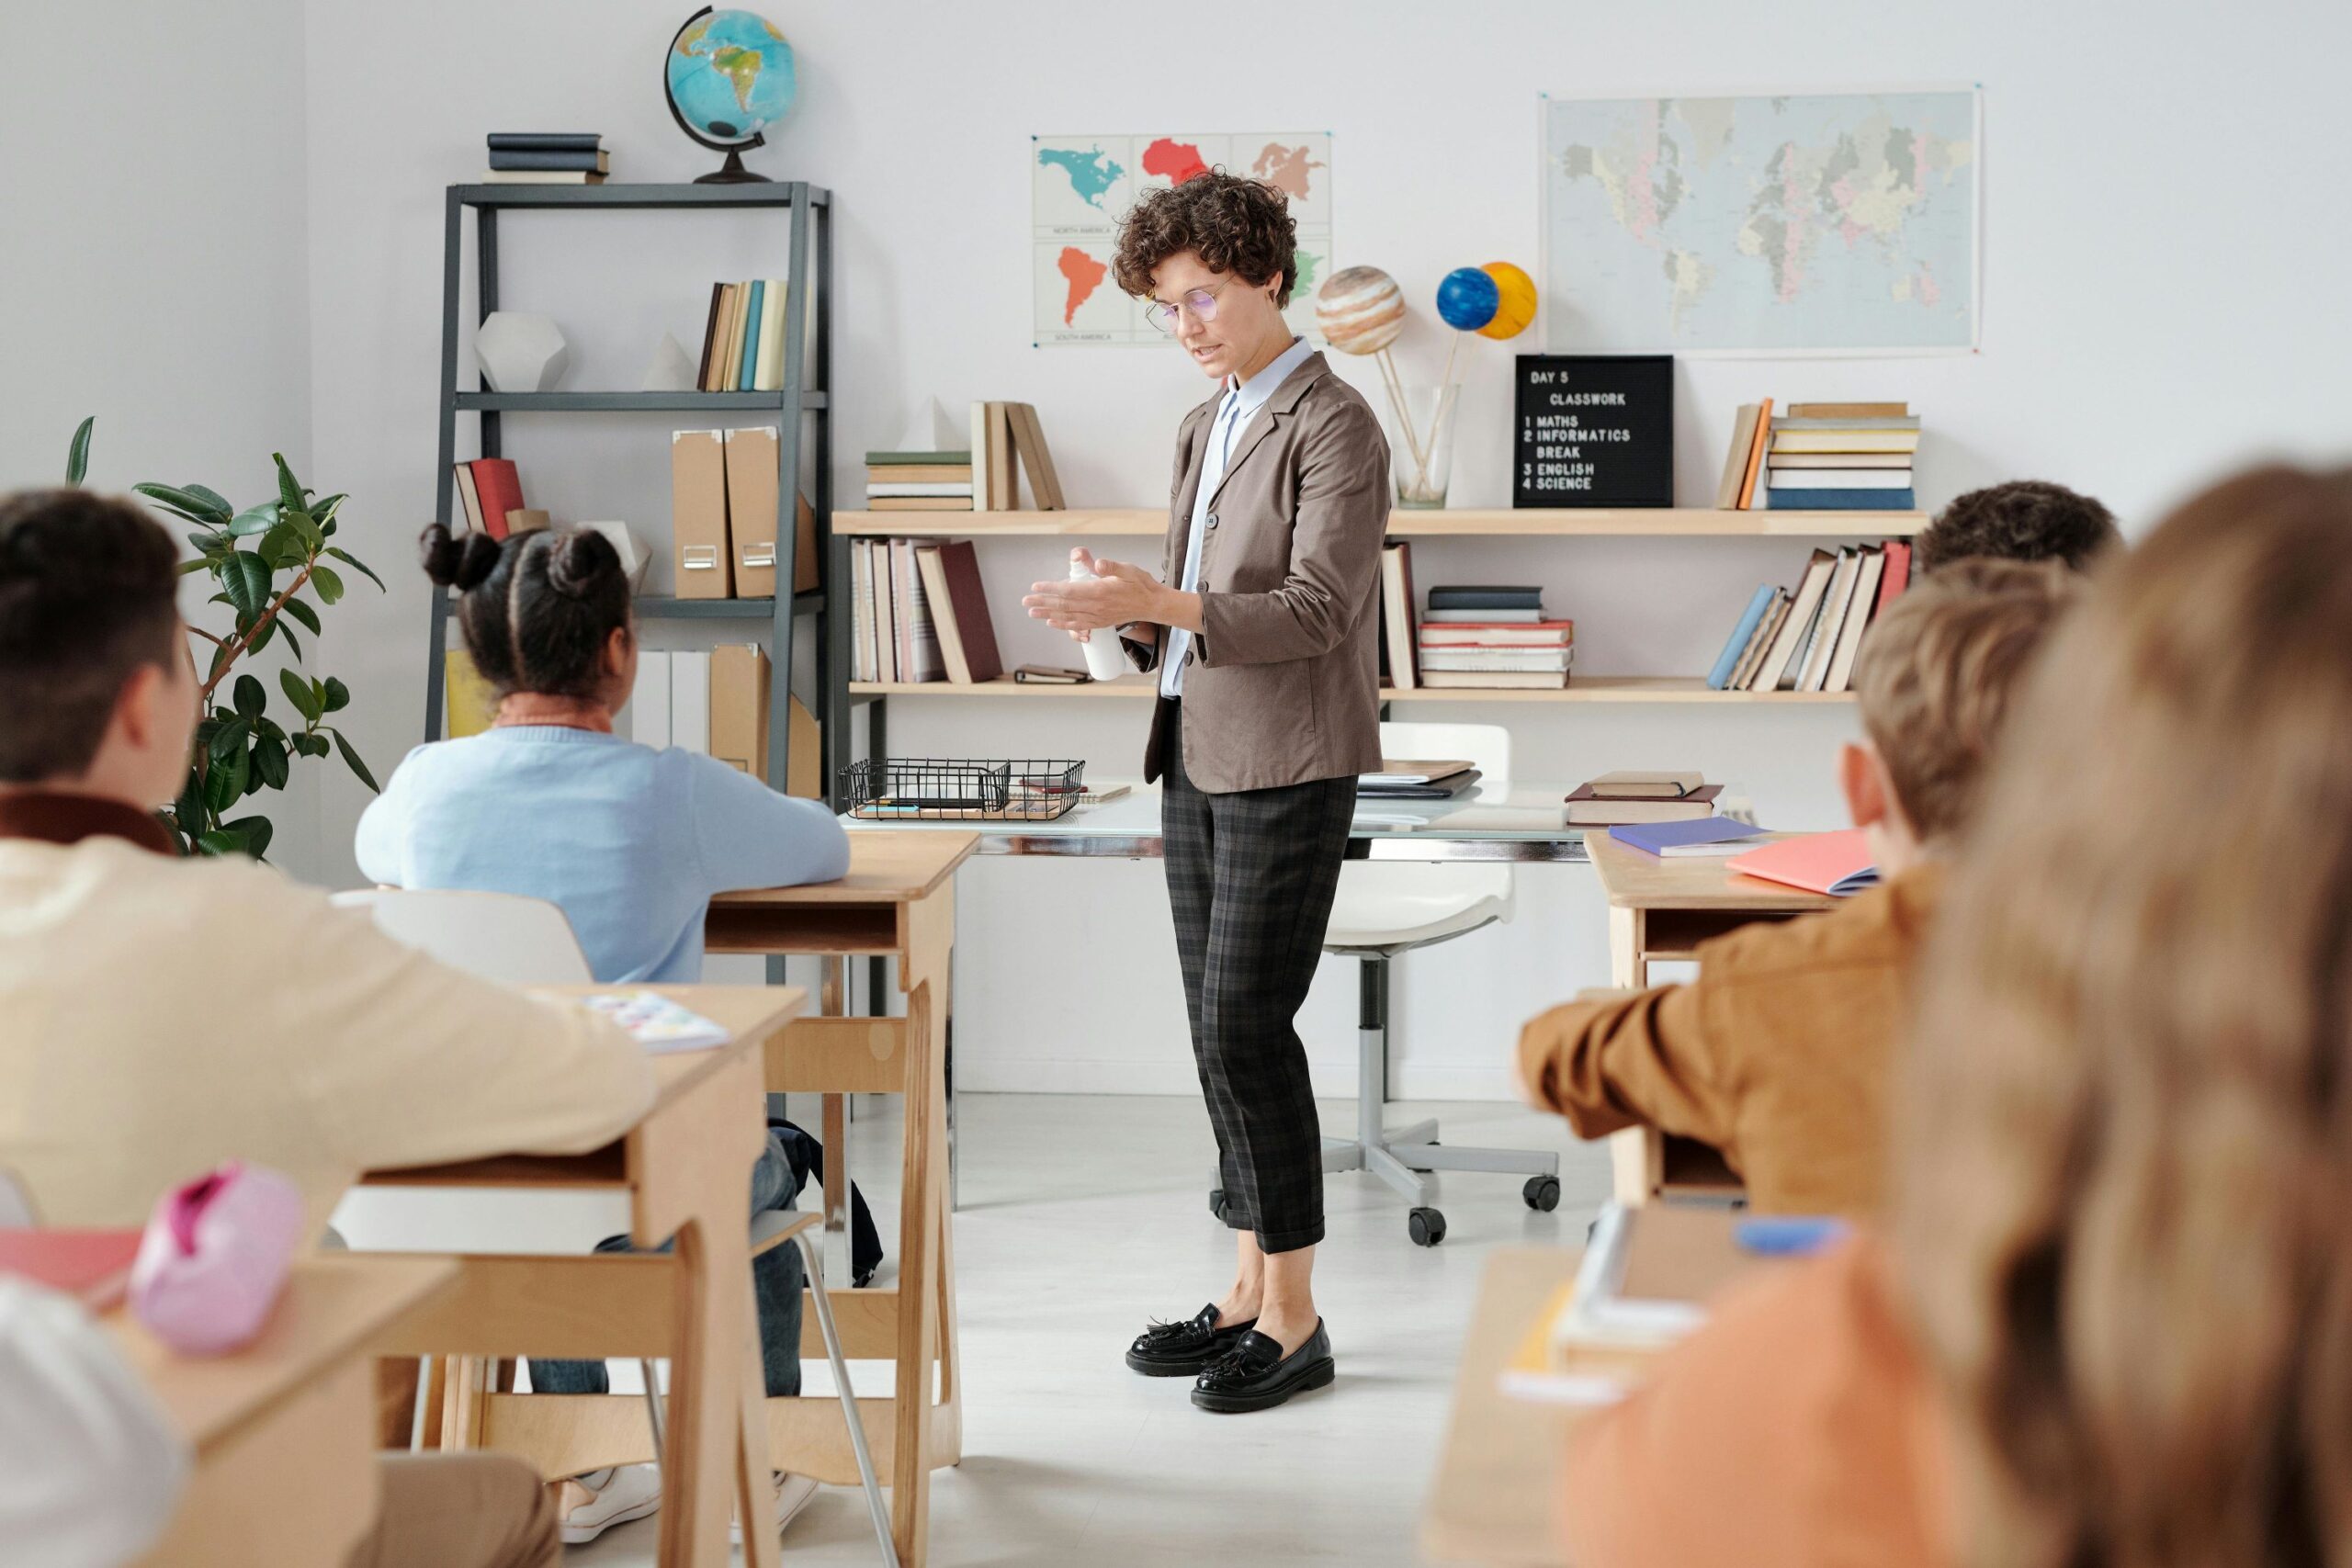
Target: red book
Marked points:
1835	864
501	489
1897	577
91	1265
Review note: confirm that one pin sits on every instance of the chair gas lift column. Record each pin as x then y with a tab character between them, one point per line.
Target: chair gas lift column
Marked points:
1385	908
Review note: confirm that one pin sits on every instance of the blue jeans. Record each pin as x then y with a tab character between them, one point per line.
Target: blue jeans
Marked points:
777	1278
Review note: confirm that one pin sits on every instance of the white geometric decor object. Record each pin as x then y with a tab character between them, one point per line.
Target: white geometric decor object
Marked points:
521	351
668	371
635	557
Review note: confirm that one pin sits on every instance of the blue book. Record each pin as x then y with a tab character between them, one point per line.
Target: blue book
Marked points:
1843	500
751	344
1725	662
1706	836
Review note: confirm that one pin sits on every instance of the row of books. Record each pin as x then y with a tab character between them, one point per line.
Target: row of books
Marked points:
918	613
1007	440
489	499
742	342
1806	638
713	702
1471	638
723	492
1821	457
547	158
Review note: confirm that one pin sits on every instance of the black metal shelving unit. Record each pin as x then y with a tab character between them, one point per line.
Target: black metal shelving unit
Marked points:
807	385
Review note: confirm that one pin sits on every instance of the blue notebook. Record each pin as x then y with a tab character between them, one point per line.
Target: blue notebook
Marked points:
1843	500
1706	836
752	336
1720	676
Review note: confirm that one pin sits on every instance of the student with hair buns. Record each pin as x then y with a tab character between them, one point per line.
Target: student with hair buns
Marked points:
628	841
2107	1325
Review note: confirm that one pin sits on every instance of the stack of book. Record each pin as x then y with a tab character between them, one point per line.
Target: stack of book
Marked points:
1493	639
919	481
742	341
1636	797
918	614
547	158
1398	780
1806	638
490	492
1821	457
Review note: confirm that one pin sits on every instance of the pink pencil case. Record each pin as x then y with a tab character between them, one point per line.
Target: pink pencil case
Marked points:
214	1258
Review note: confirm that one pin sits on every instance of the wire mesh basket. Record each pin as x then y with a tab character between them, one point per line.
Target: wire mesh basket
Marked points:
962	790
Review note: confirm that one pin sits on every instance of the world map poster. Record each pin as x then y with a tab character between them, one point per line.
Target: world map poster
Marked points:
1829	223
1082	185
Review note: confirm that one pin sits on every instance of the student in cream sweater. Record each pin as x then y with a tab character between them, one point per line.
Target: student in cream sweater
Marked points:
158	1016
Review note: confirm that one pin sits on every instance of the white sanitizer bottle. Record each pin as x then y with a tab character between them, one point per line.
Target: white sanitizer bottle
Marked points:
1105	659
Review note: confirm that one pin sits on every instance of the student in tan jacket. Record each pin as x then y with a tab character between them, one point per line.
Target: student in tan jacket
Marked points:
158	1016
1778	1054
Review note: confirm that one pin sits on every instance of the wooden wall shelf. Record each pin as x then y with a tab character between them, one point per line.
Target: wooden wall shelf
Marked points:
1680	522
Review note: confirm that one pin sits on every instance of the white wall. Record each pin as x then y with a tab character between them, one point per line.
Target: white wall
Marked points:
2162	233
153	260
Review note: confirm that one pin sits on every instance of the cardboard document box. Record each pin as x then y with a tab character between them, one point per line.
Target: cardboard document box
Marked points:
698	514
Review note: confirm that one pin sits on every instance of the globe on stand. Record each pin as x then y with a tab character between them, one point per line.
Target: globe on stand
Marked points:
727	77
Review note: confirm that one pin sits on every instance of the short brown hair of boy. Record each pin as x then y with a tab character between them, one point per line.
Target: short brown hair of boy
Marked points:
2023	520
1938	671
1235	225
88	592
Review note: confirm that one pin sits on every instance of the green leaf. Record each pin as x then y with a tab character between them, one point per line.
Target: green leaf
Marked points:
244	578
302	612
270	765
187	811
254	833
330	586
308	745
253	520
224	782
305	527
77	452
229	739
306	699
324	512
219	842
338	696
261	637
195	500
249	699
290	492
287	632
349	560
358	766
189	566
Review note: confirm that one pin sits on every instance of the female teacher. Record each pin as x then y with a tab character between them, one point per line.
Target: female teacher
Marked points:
1262	625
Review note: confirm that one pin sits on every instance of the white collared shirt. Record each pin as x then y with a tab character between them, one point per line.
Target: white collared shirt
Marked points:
1240	405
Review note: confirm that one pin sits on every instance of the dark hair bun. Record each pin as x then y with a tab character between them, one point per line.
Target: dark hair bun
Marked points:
456	561
582	563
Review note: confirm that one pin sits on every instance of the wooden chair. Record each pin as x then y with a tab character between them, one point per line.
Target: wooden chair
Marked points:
527	941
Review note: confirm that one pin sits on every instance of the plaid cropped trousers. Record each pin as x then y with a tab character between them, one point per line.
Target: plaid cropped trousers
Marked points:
1250	878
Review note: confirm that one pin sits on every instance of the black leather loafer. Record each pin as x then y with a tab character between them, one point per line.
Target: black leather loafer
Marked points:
1183	1349
1258	1376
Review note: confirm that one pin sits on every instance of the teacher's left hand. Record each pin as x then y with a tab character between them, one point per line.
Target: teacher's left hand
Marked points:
1118	594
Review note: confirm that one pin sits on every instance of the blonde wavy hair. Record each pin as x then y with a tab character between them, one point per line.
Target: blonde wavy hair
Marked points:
2123	1203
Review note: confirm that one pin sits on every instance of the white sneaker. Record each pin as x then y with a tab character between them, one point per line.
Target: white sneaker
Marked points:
792	1495
625	1493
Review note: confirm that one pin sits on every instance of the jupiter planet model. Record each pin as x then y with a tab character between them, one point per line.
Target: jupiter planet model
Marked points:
1360	310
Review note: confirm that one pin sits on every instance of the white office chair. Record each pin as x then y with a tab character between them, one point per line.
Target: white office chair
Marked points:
527	942
1385	908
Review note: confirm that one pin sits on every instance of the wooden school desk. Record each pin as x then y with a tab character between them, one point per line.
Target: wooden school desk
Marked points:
283	1430
1661	910
1495	1500
897	901
685	1169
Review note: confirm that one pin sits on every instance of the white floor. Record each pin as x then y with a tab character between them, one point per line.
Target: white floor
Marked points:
1083	1216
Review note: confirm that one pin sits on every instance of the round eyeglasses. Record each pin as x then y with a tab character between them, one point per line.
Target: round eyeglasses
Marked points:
1201	302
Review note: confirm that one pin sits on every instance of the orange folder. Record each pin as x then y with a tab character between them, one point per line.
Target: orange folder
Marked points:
1835	864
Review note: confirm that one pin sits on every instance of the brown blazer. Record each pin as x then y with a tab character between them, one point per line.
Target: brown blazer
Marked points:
1778	1054
1283	684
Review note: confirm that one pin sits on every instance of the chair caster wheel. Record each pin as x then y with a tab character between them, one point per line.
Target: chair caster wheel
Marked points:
1217	1201
1428	1226
1541	1192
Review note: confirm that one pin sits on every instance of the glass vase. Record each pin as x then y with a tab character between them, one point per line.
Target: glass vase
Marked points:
1420	443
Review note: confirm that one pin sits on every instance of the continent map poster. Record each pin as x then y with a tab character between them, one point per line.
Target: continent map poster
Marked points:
1082	185
1836	223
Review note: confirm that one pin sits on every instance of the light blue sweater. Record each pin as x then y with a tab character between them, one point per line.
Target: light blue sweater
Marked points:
630	843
